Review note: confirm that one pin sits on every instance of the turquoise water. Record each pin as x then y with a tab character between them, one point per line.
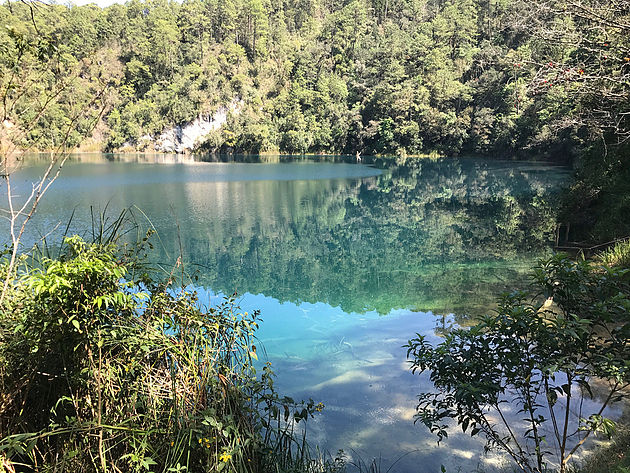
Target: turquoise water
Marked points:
346	262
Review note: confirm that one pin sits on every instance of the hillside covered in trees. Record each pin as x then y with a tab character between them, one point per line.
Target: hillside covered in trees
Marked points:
492	77
374	76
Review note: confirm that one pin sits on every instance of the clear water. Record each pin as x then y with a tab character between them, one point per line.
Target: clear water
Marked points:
345	261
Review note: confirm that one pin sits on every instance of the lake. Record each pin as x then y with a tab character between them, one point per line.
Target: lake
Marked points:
346	261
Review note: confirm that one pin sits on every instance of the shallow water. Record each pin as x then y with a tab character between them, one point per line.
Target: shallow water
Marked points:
345	261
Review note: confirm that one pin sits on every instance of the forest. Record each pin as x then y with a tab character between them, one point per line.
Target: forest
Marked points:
377	76
455	77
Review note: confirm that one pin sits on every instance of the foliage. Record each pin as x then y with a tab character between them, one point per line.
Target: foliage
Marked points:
51	96
616	255
598	202
407	76
612	458
103	371
541	360
364	76
492	77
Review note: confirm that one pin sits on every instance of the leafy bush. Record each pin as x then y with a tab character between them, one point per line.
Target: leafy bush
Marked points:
99	371
538	359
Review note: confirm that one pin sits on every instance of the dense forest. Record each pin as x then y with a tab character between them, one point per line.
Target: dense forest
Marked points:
374	76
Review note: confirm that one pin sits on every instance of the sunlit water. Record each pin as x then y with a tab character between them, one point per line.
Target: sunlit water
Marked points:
345	261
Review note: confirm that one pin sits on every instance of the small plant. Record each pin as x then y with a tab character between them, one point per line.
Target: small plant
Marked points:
613	458
540	360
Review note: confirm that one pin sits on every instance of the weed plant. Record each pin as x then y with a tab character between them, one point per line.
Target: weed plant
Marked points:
612	458
102	368
617	255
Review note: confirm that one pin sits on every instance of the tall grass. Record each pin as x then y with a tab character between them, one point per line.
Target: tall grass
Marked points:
102	371
613	458
617	255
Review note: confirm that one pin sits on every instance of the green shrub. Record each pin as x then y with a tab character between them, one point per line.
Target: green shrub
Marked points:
613	458
101	372
538	359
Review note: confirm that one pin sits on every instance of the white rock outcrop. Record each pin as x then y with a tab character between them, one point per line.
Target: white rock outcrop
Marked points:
179	139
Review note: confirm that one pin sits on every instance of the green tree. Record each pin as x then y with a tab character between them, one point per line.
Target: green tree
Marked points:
50	100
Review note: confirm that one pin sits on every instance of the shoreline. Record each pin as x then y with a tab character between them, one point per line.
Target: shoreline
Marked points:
363	159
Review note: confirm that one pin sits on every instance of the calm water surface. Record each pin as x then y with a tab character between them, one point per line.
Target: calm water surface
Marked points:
345	261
